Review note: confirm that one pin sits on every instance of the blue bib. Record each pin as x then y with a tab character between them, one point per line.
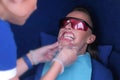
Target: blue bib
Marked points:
81	69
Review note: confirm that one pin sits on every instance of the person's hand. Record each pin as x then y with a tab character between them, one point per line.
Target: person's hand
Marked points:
66	56
43	54
15	78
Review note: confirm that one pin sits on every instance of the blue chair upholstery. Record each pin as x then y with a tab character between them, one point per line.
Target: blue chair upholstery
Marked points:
104	53
114	64
99	69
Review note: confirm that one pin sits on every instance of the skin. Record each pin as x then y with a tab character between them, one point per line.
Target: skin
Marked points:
47	53
17	11
80	40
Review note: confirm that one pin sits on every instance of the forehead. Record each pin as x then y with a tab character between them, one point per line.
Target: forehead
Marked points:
80	15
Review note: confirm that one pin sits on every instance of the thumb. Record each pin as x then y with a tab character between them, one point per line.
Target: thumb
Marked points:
52	46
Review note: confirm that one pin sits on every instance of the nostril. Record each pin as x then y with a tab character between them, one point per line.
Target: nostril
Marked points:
68	26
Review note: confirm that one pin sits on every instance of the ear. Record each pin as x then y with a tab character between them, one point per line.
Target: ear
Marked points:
91	39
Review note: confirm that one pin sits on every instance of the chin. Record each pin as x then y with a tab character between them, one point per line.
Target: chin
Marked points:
20	23
64	43
17	22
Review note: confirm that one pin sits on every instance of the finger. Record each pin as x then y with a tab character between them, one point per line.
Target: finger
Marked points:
52	46
49	57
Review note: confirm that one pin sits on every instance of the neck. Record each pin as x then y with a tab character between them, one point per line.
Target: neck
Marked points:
83	50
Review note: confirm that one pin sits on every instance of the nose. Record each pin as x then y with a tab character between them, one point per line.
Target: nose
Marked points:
69	26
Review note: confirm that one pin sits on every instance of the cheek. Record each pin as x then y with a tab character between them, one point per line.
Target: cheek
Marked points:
60	33
33	5
80	38
80	42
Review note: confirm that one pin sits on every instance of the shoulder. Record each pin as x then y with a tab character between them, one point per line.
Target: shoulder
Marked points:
4	26
4	23
5	29
7	52
100	72
6	33
7	47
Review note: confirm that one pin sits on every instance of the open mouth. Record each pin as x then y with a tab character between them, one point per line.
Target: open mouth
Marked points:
68	36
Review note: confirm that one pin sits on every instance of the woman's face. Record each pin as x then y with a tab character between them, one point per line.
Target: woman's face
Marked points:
19	10
79	36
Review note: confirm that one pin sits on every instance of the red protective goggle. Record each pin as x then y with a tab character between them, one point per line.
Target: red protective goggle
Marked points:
76	23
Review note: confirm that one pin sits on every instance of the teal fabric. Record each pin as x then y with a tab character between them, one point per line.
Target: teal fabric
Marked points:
81	69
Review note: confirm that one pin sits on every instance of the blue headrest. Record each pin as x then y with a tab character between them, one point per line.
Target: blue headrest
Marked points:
114	64
104	53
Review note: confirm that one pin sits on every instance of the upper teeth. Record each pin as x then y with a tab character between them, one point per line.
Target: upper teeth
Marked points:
68	36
